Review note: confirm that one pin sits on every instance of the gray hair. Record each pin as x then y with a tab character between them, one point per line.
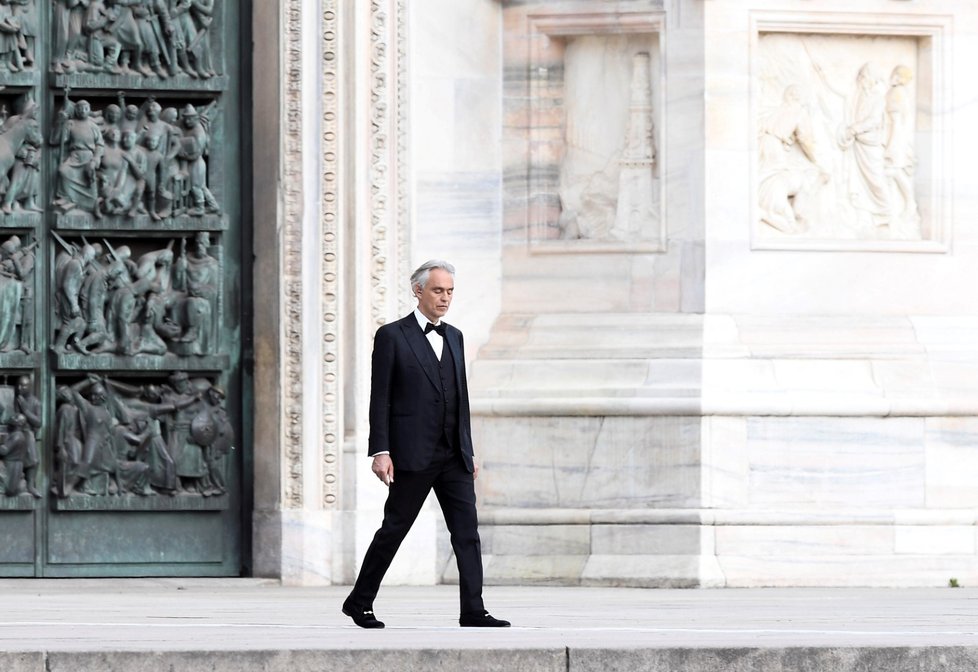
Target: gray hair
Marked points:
420	276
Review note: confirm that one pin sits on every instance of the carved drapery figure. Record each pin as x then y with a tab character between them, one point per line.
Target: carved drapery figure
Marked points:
20	140
863	136
899	157
95	473
789	165
16	295
81	145
22	190
19	447
69	39
19	453
24	17
11	56
198	278
194	148
188	455
70	267
67	443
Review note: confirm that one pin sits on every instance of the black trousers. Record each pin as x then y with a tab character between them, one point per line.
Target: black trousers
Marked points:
455	490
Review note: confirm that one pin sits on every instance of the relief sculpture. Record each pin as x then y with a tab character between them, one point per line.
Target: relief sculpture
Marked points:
18	32
607	184
125	161
161	301
148	38
20	152
114	402
836	156
18	440
115	438
17	295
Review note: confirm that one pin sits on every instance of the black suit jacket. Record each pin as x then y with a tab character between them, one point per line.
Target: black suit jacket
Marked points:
406	400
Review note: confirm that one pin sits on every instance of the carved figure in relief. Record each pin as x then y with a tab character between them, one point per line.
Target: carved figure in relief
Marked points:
864	137
93	297
11	39
789	166
19	453
198	278
94	474
194	148
67	443
154	163
199	47
103	47
899	157
22	191
69	39
212	429
187	454
173	190
128	196
23	15
69	275
109	170
81	148
146	437
16	295
27	403
16	133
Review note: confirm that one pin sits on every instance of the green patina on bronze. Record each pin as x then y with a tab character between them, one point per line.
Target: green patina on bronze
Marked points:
120	276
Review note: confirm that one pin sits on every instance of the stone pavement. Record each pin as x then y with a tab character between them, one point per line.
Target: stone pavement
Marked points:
239	625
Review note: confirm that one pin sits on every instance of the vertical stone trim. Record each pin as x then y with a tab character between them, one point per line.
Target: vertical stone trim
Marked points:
292	257
404	265
382	126
329	218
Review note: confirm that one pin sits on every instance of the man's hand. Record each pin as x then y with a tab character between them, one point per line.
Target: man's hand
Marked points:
383	467
475	471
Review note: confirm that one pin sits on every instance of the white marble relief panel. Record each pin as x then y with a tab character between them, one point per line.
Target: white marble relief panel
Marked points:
595	141
844	152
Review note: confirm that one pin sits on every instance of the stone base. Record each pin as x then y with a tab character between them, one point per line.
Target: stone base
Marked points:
294	546
701	548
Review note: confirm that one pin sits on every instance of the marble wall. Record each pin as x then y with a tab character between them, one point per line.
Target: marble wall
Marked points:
783	403
716	300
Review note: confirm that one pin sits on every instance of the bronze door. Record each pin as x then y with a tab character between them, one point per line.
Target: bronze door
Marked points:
121	233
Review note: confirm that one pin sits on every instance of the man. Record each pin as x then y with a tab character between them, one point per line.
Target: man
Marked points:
419	428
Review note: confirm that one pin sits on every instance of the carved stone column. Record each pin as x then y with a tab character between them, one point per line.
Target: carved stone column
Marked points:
298	400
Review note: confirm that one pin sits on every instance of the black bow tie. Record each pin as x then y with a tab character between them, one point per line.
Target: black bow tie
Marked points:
440	328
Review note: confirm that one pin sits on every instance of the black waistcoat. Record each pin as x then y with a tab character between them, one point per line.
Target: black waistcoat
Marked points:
449	389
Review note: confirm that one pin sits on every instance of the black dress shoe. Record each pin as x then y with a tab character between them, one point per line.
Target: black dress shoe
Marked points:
362	616
483	620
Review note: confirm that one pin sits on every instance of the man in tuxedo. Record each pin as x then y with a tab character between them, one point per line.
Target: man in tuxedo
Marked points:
421	440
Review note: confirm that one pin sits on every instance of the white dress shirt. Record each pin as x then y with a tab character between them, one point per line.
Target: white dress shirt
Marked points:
436	340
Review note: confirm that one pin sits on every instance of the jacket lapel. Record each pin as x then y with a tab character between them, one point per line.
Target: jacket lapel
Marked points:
420	346
451	340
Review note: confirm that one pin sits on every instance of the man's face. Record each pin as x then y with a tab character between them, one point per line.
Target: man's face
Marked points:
436	297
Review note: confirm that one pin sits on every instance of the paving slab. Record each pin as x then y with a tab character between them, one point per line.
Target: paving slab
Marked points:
246	624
